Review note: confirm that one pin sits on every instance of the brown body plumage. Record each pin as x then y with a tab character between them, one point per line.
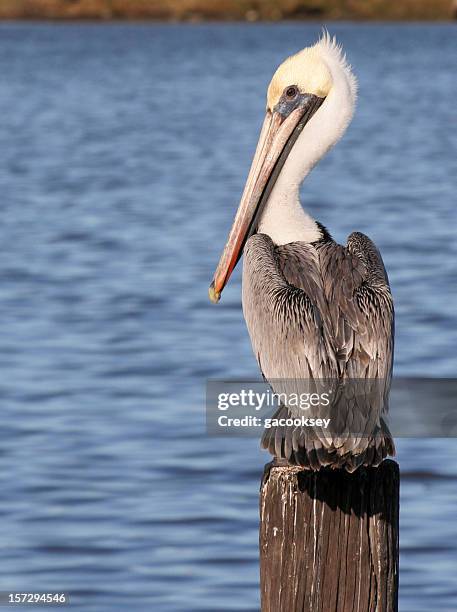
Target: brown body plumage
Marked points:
323	312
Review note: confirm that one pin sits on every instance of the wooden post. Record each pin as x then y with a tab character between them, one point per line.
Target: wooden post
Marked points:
329	539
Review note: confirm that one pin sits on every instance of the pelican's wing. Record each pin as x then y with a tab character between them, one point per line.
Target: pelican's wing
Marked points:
361	315
283	302
284	318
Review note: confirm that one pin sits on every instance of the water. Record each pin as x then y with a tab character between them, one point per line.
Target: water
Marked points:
124	151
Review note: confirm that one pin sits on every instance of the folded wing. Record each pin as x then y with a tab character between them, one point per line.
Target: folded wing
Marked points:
320	312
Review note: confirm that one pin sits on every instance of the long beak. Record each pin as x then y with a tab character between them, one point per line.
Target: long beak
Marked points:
276	139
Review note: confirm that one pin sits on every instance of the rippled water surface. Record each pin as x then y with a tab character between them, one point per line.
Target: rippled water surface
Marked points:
123	153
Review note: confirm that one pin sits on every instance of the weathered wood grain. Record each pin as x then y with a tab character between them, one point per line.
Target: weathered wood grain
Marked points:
329	540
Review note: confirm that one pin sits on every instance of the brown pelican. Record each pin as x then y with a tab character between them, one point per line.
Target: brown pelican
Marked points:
314	309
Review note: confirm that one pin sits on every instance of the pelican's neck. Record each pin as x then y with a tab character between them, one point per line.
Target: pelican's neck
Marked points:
284	218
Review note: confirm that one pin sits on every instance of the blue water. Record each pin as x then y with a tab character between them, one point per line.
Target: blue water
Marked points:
123	154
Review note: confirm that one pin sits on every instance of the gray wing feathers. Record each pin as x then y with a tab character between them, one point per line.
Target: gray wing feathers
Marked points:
323	312
283	322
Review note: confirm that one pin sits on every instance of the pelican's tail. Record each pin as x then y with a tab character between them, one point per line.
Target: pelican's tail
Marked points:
313	448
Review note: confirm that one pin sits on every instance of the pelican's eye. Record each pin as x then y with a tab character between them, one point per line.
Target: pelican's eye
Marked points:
291	92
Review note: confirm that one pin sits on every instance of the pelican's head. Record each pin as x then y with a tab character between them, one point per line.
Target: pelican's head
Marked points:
305	72
299	88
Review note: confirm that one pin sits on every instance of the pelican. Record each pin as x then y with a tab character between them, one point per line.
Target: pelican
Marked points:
314	309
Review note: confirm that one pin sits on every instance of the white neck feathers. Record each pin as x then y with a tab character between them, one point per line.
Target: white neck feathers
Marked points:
284	219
